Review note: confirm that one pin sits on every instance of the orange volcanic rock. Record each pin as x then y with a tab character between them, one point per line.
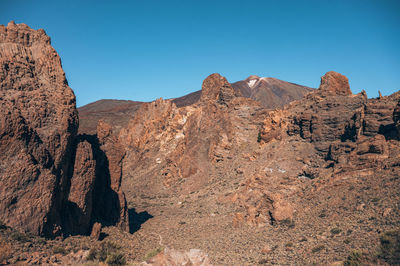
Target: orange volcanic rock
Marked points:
396	118
109	193
49	178
335	83
39	122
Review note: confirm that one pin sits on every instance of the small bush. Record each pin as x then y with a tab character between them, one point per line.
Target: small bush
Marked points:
59	250
289	245
40	241
335	231
106	248
5	250
354	259
116	259
288	222
2	226
318	248
259	137
20	237
390	247
152	253
347	241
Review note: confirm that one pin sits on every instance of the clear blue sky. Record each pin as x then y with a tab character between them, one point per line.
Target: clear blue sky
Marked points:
142	50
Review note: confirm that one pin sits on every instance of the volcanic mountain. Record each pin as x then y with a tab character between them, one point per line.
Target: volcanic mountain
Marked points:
270	92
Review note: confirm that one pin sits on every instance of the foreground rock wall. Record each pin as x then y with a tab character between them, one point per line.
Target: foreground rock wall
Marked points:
48	176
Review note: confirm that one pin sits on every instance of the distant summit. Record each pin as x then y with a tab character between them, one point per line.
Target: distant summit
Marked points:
270	92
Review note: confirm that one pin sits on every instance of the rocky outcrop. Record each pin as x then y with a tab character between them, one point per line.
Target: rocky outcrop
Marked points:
333	115
178	146
335	83
49	177
39	122
269	92
111	206
396	117
173	257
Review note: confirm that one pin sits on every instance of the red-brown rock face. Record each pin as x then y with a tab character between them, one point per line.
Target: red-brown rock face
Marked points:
48	177
180	145
335	83
39	121
396	117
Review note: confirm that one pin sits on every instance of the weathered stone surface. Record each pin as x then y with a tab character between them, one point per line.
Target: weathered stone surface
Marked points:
183	142
96	231
396	118
80	198
173	257
51	181
110	202
335	84
38	124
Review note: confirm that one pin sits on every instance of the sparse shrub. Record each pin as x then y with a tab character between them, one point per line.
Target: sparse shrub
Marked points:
354	259
92	254
20	237
152	253
390	247
116	259
318	248
347	241
259	137
5	250
336	231
289	245
40	241
288	222
375	200
59	250
106	248
2	226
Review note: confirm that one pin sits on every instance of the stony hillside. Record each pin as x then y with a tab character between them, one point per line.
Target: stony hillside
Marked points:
270	92
223	180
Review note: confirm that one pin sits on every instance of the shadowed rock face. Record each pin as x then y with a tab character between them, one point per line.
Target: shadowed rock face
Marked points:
47	175
396	117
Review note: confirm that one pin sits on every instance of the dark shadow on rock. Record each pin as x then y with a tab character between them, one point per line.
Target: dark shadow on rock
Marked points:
389	131
137	219
102	236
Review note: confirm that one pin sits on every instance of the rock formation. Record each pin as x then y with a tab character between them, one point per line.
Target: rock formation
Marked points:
269	92
48	176
335	83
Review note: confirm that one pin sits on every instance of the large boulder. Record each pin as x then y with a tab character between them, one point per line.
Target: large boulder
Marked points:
335	83
51	181
38	123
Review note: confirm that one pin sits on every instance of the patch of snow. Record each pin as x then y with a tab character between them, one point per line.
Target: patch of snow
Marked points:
281	171
251	83
179	135
158	160
183	120
267	169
